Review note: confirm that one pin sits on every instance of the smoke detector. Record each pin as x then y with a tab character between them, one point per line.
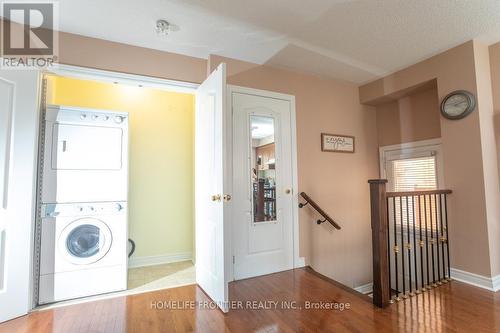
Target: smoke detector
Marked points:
163	27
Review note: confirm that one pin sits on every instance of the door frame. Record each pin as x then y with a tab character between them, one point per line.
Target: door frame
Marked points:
32	196
86	73
298	261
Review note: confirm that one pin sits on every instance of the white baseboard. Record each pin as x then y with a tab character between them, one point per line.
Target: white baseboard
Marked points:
365	289
489	283
158	260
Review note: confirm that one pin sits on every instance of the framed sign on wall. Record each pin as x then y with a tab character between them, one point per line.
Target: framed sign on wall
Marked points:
337	143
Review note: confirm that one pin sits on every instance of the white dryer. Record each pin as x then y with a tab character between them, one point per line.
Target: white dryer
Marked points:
85	155
84	250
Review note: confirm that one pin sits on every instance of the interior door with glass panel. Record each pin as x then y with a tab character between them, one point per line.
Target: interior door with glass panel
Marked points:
262	186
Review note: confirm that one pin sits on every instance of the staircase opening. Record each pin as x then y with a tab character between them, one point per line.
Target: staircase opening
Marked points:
409	241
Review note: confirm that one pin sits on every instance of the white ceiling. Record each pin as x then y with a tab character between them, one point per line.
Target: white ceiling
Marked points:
352	40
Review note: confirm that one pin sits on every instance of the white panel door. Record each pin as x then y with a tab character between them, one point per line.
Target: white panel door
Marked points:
262	186
211	236
18	133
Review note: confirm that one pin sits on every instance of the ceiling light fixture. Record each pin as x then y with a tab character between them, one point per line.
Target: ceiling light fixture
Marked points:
163	27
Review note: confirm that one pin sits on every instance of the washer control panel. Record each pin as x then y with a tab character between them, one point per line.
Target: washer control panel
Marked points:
83	209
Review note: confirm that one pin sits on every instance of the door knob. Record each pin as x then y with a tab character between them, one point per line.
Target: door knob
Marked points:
288	191
227	197
216	197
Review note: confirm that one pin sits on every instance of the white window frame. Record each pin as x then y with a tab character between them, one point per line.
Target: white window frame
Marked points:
414	149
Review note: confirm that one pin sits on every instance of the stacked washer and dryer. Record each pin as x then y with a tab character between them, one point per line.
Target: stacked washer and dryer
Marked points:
83	203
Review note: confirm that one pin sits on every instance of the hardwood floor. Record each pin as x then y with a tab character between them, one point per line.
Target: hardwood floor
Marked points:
454	307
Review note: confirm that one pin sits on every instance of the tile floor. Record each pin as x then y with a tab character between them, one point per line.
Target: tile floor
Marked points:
164	276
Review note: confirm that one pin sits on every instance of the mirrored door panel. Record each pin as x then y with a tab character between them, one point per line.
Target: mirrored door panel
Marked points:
263	168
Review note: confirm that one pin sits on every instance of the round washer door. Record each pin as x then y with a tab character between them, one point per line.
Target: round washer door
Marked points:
85	241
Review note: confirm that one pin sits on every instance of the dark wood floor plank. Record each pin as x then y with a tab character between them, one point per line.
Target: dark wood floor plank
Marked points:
454	307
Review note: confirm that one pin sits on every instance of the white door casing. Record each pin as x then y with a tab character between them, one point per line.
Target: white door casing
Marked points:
212	250
262	247
19	102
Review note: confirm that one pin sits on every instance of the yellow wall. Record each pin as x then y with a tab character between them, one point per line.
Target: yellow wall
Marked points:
161	158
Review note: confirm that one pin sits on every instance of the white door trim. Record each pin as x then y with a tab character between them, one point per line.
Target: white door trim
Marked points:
297	260
86	73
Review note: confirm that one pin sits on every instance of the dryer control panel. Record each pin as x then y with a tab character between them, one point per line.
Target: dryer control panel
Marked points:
83	209
72	115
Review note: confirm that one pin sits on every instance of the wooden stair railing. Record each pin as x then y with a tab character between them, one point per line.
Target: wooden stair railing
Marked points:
380	251
316	207
409	242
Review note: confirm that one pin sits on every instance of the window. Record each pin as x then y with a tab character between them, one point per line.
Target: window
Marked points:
413	167
412	174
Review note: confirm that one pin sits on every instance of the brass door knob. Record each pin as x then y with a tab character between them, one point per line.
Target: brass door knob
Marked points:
227	197
216	197
288	191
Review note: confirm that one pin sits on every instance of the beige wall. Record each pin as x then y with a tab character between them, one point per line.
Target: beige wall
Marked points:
338	182
489	152
495	83
495	75
101	54
413	117
468	147
331	106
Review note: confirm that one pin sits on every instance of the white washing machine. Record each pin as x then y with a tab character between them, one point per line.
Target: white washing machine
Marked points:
84	189
83	250
85	155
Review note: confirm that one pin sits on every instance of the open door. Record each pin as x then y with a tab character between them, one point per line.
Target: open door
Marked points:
18	133
212	238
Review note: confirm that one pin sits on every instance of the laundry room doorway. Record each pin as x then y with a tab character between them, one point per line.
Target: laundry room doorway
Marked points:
116	184
115	143
130	188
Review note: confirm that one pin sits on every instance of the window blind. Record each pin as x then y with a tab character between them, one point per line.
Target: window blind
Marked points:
414	174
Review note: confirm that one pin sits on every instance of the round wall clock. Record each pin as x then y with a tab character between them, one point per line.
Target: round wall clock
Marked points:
458	104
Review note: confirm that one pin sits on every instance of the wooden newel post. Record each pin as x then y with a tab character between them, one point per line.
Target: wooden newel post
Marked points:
381	278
